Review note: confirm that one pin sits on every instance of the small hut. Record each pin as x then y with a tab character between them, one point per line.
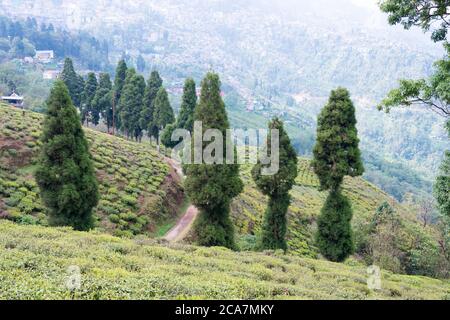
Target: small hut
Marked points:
14	99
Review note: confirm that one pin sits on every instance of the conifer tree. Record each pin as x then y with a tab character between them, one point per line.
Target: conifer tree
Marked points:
102	102
336	154
277	187
90	88
188	104
65	172
131	104
119	82
146	119
211	187
334	237
163	113
72	81
185	118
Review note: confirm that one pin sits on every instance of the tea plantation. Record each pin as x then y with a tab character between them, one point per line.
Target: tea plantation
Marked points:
34	262
137	193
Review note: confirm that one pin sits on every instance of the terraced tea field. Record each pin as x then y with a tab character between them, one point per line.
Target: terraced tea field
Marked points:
137	192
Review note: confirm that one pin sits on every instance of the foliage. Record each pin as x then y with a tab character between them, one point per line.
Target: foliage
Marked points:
163	112
73	82
277	187
28	36
433	93
189	101
130	104
65	172
442	187
334	236
102	102
185	118
119	82
211	187
88	112
154	83
421	13
336	153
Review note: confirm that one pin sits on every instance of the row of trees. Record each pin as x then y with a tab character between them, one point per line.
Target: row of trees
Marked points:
130	105
69	188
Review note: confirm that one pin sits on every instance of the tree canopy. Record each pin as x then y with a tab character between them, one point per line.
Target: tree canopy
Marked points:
425	14
65	172
336	153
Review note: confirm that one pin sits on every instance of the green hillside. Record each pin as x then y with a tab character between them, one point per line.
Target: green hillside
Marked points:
34	262
419	251
139	195
137	192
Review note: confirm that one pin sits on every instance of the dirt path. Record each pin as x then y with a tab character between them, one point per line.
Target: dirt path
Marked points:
184	224
181	229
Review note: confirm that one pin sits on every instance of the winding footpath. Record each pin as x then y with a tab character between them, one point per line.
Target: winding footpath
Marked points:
184	224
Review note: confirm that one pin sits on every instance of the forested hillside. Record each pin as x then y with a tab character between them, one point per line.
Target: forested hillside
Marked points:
281	65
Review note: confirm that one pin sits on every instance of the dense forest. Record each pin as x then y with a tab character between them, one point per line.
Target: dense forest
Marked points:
19	39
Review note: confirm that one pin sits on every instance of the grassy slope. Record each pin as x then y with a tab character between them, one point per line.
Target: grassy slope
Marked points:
248	209
136	190
34	262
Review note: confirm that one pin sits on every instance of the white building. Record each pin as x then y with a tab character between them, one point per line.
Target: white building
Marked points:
44	56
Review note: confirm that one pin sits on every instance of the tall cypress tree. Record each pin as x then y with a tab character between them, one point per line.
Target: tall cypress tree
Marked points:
119	82
336	154
185	118
88	112
72	81
211	187
102	102
65	172
147	114
277	187
188	104
163	112
131	104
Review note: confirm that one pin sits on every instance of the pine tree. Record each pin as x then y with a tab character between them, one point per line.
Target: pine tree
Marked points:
336	154
186	117
65	172
88	112
211	187
130	104
72	81
163	112
146	119
119	82
277	187
102	102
